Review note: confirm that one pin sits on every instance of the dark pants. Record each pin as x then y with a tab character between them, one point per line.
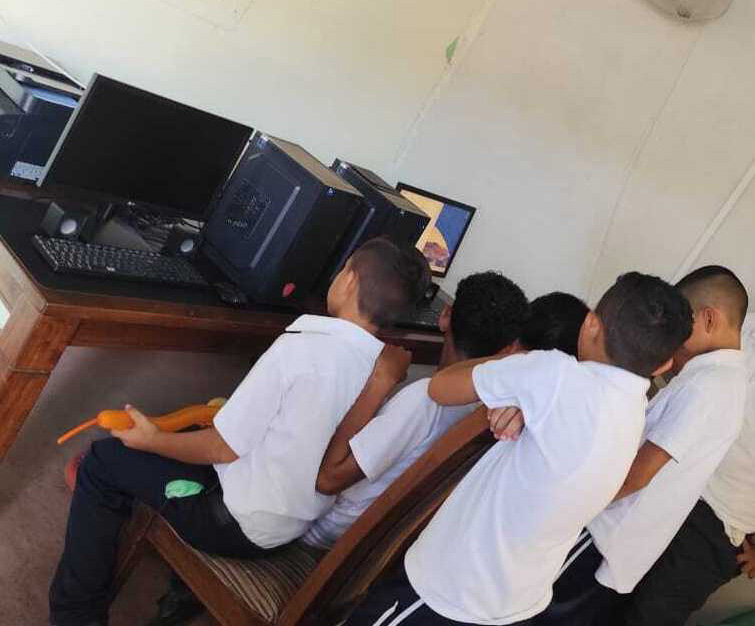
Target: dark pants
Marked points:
397	595
111	477
699	560
578	599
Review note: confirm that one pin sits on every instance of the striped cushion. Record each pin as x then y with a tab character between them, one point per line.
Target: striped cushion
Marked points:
265	584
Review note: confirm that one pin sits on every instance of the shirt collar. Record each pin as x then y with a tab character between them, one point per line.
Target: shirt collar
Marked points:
725	357
626	380
355	335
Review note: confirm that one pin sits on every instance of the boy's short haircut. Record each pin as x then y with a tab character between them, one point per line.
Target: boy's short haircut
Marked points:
392	279
488	314
645	320
715	285
555	321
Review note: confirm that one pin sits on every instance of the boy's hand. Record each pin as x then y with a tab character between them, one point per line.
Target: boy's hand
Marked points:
747	558
392	364
506	423
143	433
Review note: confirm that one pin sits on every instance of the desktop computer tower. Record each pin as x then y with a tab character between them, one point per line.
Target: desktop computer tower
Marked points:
385	213
278	220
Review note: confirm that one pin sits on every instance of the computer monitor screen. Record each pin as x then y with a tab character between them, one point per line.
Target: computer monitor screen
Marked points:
129	144
449	220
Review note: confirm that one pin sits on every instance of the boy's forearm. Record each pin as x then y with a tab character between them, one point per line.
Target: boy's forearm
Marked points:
649	461
199	447
453	385
338	470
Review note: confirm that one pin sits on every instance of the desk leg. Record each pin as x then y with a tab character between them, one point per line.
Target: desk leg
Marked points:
30	346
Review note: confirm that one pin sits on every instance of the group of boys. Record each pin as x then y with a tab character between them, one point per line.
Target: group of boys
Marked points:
592	508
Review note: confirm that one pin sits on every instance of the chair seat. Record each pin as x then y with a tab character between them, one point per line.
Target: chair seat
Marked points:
265	584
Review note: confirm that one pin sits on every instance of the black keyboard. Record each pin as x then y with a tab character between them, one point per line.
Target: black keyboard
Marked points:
78	257
424	317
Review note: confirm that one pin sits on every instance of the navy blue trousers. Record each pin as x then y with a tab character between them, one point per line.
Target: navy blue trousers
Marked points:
110	479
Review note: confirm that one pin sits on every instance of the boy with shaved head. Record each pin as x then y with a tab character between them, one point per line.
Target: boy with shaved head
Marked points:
691	424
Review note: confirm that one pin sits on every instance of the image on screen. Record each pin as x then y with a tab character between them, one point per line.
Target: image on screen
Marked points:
448	223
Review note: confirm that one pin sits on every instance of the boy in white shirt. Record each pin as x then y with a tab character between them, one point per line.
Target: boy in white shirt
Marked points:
368	453
691	424
493	550
712	544
256	468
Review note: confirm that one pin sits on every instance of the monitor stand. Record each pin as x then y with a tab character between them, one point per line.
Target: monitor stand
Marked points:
113	232
109	230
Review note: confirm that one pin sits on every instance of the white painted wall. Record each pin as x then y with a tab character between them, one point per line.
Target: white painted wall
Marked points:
343	78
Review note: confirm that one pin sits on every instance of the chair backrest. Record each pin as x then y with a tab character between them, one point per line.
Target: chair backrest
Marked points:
384	532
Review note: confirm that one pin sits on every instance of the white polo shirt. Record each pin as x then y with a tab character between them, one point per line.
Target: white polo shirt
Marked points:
695	419
731	489
398	435
491	553
279	422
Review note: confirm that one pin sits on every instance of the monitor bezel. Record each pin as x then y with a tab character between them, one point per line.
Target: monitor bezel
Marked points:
115	198
445	200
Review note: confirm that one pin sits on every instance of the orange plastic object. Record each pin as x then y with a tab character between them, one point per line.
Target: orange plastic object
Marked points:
197	414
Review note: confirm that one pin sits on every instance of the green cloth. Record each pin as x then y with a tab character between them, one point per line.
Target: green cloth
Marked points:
744	619
182	489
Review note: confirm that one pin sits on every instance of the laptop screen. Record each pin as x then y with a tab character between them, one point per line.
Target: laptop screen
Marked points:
449	220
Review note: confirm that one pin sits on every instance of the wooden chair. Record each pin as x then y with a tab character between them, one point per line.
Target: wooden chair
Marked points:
293	586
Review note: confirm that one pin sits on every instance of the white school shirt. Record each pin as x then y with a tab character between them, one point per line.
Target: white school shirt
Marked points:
398	435
491	553
695	419
279	422
731	490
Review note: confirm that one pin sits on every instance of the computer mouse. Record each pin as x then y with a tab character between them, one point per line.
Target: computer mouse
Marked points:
231	294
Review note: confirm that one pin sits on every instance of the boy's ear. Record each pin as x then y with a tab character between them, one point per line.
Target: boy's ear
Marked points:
351	280
662	369
592	324
712	318
444	321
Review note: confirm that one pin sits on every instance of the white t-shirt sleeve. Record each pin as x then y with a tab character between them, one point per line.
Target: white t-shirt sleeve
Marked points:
684	419
399	427
244	419
528	381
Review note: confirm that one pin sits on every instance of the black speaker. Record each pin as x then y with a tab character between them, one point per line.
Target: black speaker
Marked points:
183	241
278	220
63	222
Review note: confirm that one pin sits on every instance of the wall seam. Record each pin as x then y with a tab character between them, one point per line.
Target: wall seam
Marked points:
631	166
467	39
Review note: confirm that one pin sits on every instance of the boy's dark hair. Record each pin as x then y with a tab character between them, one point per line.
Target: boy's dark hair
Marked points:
392	279
555	321
645	320
715	285
488	314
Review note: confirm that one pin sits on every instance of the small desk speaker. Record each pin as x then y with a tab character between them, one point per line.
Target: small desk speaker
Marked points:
64	223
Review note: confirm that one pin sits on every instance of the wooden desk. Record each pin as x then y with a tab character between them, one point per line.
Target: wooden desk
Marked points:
48	312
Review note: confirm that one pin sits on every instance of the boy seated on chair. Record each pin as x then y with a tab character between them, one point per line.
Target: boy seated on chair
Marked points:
691	424
492	551
257	466
368	451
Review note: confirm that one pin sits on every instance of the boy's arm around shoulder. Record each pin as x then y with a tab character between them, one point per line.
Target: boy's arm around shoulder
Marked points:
454	385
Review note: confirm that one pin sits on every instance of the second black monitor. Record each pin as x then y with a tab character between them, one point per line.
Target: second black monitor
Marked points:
449	221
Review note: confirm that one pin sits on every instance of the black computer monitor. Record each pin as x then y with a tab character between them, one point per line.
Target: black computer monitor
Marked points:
449	220
128	144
